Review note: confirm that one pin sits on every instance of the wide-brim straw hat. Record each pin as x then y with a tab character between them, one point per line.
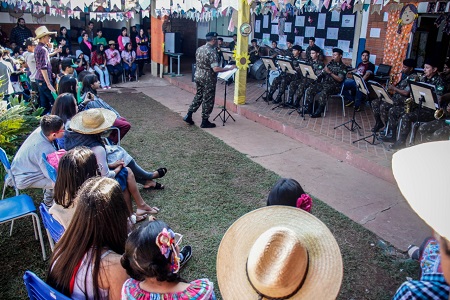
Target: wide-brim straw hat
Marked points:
43	31
421	173
92	121
287	253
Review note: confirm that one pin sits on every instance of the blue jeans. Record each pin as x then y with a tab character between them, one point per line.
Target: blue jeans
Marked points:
130	70
46	99
351	92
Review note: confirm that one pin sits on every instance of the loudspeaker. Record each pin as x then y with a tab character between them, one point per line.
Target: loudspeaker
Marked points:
172	42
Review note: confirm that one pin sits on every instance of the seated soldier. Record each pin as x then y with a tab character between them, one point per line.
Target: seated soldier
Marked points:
333	76
384	111
437	130
28	166
254	51
297	87
351	93
274	51
290	45
282	81
423	114
312	43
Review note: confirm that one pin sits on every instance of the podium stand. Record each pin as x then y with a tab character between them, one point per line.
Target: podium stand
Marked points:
224	77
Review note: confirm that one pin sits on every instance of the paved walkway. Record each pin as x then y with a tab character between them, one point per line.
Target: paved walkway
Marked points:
366	198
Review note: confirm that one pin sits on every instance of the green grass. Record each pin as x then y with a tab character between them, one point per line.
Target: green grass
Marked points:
208	186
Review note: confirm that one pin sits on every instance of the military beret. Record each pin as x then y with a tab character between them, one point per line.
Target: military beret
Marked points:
254	40
431	61
211	34
409	62
338	51
297	47
315	49
290	41
312	39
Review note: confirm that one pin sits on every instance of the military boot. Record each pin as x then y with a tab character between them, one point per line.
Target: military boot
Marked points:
290	100
278	99
268	97
188	118
378	124
318	112
400	143
207	124
296	103
390	136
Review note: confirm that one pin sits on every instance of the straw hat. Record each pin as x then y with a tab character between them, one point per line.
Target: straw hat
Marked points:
92	121
281	252
43	31
421	173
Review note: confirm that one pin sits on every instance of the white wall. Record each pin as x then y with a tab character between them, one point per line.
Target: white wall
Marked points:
6	18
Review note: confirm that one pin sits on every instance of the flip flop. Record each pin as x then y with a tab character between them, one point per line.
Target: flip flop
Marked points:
158	186
140	218
140	212
161	172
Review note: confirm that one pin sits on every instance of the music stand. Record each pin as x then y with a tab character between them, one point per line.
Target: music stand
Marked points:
270	65
308	73
286	68
360	86
227	55
383	96
225	76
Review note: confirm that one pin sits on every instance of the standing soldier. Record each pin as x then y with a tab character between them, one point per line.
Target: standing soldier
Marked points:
298	87
333	76
384	111
430	76
205	78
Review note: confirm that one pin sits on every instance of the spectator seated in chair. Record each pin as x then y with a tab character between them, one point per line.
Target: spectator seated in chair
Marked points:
113	61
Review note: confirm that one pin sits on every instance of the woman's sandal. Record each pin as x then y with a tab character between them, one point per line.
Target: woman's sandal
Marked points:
161	172
158	186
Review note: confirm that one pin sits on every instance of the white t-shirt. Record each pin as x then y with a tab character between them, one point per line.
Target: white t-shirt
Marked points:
31	62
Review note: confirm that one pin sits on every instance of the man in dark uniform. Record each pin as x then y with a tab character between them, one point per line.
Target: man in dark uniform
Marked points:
334	74
384	111
283	80
232	44
290	45
312	43
430	76
297	87
207	62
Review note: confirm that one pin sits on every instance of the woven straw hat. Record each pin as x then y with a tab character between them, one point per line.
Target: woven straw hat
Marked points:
92	121
279	252
43	31
421	173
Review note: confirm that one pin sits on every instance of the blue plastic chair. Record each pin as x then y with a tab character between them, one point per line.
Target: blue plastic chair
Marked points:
38	289
54	229
5	162
19	206
50	169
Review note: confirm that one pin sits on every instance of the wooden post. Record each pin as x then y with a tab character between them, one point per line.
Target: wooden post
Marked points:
240	87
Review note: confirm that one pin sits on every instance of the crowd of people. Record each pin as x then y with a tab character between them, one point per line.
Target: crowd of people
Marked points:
33	64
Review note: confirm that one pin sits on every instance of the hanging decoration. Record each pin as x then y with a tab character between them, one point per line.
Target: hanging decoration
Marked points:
242	61
376	8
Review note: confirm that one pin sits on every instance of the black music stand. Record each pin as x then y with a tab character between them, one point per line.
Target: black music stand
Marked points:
286	67
361	86
225	76
308	73
383	96
424	95
270	65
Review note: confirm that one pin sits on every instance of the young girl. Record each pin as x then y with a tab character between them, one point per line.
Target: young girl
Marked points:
152	260
99	65
128	58
86	46
289	192
86	261
123	39
141	50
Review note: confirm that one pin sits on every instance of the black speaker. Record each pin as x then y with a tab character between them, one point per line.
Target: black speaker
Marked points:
172	42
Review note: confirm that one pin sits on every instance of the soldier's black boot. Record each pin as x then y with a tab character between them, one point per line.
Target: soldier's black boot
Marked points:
188	118
296	103
269	97
290	100
389	137
207	124
378	124
318	112
306	111
400	143
278	99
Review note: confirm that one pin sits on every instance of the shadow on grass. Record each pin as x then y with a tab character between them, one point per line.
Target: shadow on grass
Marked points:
208	186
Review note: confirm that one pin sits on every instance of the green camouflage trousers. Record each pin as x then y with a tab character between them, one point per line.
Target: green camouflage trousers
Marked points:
324	90
205	97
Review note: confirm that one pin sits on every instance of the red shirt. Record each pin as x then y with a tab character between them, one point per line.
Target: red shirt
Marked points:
96	59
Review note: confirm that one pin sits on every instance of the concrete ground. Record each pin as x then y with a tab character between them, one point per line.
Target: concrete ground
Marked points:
372	202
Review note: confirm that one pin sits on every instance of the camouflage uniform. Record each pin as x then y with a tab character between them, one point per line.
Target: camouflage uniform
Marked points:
282	81
205	78
328	86
308	54
424	114
437	130
298	86
392	112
